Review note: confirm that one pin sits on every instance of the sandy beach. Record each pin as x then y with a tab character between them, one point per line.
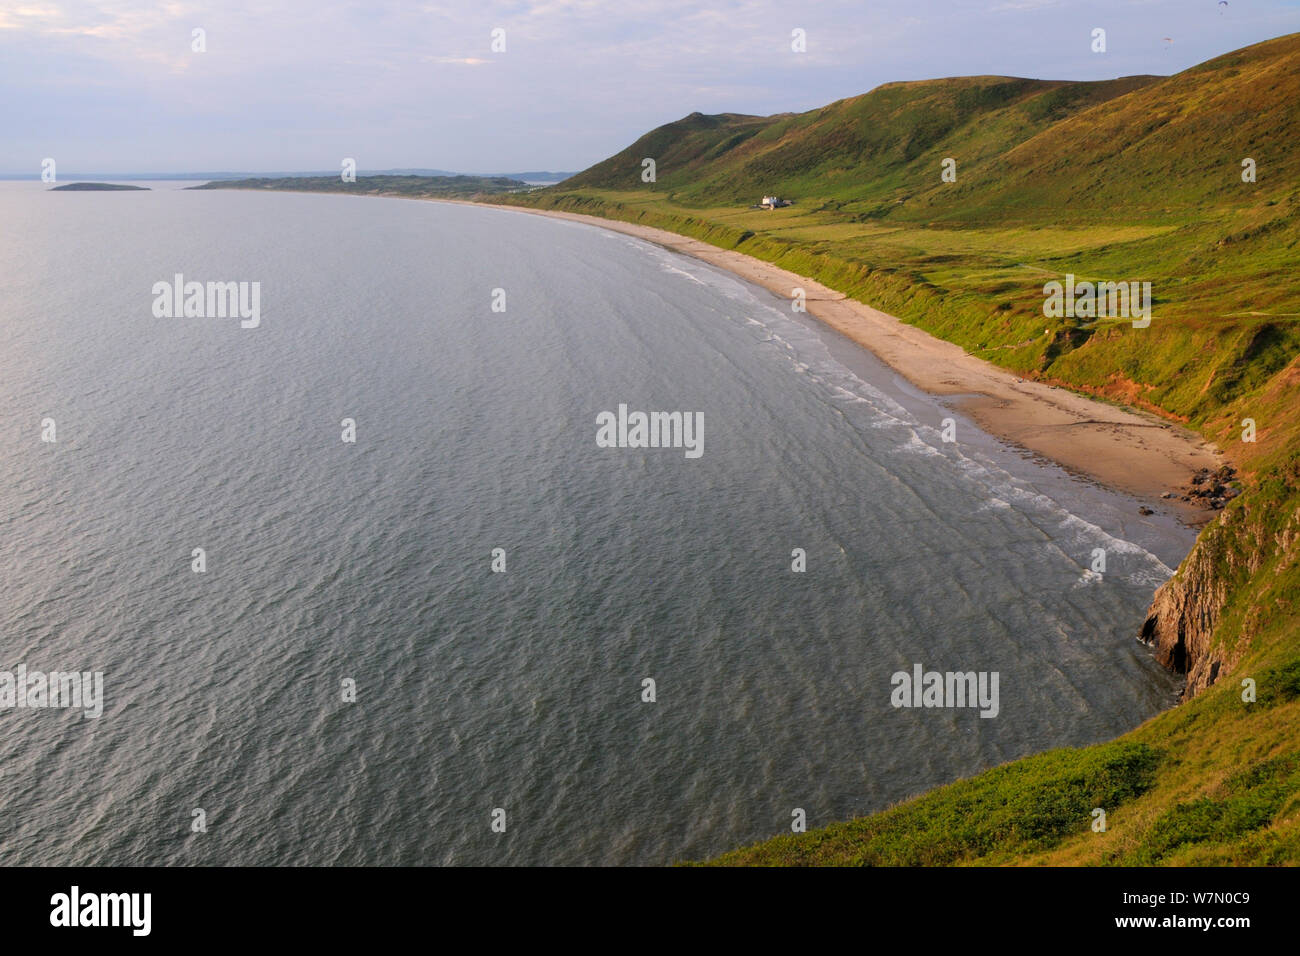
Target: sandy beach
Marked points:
1128	450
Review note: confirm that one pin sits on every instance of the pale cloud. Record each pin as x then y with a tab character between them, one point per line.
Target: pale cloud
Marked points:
121	21
297	84
1019	6
28	18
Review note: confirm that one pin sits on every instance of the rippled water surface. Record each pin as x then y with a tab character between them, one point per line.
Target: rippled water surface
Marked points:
476	430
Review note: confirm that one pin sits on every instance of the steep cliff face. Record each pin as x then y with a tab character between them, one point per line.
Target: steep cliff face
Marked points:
1240	575
1183	616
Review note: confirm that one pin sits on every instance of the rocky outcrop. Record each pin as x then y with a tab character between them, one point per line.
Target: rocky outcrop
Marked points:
1253	542
1183	614
1214	489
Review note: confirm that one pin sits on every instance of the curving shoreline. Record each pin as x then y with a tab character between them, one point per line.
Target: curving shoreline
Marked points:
1133	452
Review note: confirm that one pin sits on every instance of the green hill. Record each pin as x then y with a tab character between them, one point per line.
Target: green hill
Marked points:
1139	178
866	147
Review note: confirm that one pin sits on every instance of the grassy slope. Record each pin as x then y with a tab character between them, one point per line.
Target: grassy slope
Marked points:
1137	178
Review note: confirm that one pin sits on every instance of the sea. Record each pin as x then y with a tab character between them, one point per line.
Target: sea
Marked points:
363	587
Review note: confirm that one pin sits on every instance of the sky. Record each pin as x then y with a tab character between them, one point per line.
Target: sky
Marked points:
118	87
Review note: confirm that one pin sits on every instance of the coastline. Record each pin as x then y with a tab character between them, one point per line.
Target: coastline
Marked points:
1123	449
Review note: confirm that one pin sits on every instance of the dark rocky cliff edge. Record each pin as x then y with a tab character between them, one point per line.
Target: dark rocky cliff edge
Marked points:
1202	620
1182	619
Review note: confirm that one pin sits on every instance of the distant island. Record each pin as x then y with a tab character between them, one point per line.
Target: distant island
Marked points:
442	187
95	187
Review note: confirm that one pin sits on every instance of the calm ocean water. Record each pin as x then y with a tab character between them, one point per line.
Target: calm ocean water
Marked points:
476	430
